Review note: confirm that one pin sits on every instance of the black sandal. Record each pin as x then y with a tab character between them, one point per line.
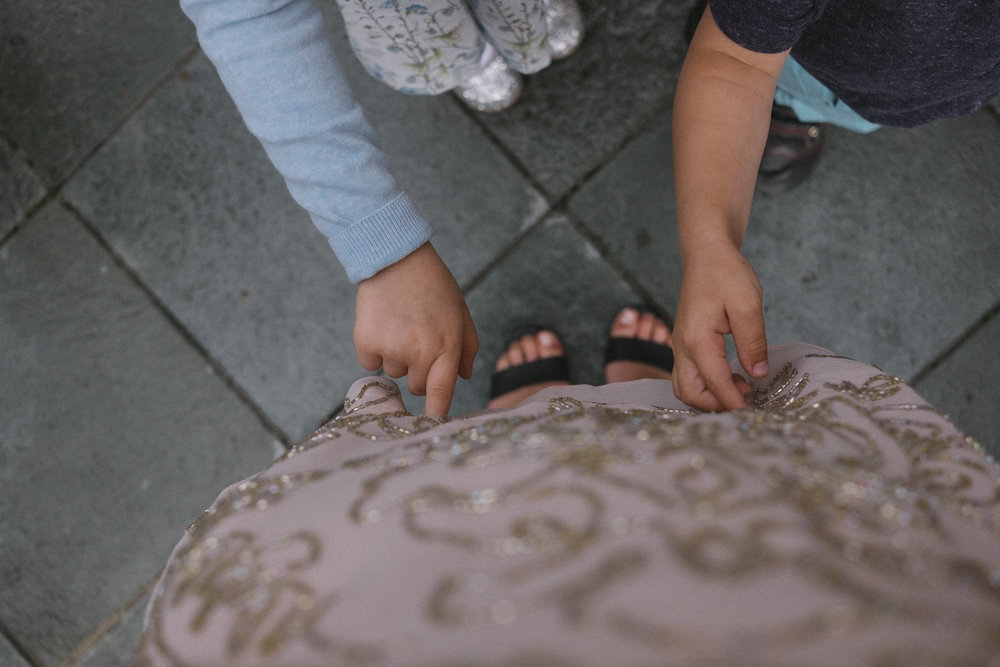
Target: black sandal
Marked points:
551	369
638	349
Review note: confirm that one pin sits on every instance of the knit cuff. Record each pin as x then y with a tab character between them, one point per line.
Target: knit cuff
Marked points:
380	239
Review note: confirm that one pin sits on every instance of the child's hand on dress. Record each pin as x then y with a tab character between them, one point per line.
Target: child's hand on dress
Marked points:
720	294
411	319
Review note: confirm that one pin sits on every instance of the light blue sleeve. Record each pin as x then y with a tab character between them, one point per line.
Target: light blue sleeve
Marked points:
275	59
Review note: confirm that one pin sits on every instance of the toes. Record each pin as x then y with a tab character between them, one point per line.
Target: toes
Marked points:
630	323
503	362
540	345
661	333
624	325
647	321
516	353
549	344
530	347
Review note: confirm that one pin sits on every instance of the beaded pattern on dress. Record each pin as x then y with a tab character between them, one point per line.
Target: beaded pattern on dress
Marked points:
877	509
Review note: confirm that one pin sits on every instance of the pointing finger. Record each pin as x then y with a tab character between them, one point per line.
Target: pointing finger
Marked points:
441	380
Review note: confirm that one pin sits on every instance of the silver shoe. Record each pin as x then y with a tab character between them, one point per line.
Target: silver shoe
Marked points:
496	87
565	25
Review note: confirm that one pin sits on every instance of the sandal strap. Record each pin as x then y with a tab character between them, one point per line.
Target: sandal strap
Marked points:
642	351
541	370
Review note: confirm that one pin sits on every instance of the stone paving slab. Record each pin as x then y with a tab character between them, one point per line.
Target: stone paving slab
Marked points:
630	207
887	254
965	386
891	253
577	112
114	435
72	71
19	189
188	199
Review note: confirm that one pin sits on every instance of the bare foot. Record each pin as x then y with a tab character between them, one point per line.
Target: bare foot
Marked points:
530	347
630	323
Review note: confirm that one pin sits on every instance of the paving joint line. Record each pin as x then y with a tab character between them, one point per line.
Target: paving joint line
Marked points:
21	153
519	166
217	367
22	651
506	252
618	267
110	623
129	114
955	345
25	221
50	191
53	189
559	204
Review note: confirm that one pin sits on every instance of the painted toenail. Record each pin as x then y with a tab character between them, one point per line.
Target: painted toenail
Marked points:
547	338
628	316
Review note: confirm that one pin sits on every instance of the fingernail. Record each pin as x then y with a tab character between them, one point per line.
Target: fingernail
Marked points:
760	369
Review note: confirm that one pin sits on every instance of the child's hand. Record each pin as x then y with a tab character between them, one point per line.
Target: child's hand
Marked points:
411	319
720	294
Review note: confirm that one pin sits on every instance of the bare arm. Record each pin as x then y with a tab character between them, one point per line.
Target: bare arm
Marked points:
721	117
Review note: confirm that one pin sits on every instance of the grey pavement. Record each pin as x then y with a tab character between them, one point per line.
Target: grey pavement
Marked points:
170	320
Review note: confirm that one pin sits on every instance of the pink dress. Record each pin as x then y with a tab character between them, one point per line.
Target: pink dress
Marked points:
843	521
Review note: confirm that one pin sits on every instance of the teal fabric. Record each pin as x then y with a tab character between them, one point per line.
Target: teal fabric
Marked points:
815	103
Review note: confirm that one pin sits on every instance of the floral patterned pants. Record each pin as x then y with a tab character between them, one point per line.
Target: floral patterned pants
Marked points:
431	46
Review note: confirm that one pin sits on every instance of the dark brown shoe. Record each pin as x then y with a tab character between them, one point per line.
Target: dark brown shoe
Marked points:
791	152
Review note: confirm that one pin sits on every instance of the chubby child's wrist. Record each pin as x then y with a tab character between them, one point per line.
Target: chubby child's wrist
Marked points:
707	248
